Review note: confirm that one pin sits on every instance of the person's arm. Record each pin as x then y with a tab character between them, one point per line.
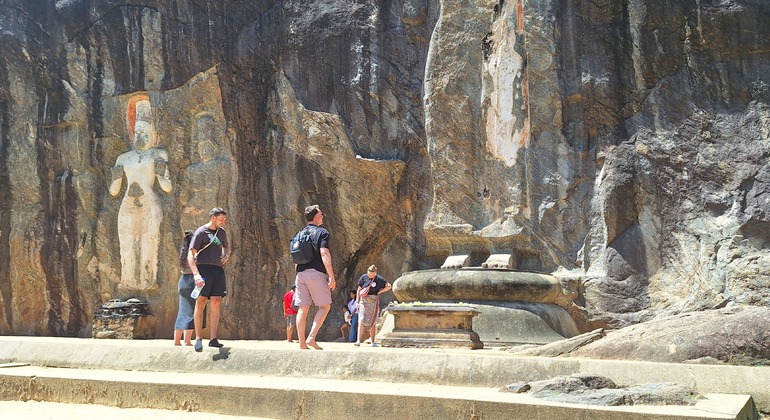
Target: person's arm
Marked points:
194	267
116	181
225	254
358	296
161	171
225	249
384	289
326	257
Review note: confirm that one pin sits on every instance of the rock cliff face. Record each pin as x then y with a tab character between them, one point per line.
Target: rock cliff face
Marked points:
620	143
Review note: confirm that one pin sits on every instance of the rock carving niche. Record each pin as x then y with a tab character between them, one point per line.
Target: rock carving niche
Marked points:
477	118
207	179
140	213
507	114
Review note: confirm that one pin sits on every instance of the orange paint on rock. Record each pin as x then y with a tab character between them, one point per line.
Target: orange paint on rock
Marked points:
524	139
131	112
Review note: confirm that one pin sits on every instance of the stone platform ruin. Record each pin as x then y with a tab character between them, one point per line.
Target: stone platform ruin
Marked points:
126	320
448	325
515	307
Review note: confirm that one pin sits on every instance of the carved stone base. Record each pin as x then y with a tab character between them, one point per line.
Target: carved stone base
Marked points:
127	327
422	325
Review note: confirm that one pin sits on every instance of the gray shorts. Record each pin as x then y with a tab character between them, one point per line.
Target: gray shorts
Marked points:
312	288
291	320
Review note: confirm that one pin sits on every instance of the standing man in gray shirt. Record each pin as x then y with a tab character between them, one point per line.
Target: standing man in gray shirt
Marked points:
209	252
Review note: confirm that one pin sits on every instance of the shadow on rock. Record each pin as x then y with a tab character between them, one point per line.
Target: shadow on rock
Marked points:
223	354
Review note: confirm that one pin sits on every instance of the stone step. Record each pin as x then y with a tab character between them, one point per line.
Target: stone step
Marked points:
345	372
40	410
296	398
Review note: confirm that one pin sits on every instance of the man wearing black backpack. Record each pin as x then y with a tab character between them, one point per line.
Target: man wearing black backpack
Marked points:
315	279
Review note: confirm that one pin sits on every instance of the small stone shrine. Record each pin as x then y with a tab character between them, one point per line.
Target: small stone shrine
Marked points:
427	325
128	320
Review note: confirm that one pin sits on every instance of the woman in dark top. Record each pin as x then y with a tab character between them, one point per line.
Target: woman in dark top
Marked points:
184	318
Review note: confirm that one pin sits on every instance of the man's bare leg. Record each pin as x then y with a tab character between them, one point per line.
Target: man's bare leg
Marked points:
360	329
215	308
301	323
200	307
318	321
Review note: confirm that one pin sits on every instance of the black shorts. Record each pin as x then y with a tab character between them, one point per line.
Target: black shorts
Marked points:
215	280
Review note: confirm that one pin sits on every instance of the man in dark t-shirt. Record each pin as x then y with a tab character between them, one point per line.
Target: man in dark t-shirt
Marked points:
208	253
315	280
319	237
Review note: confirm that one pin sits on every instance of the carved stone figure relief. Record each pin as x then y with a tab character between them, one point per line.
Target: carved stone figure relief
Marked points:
507	113
140	213
207	179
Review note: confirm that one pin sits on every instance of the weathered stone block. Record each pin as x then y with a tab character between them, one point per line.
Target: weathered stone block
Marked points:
499	261
456	261
128	319
127	327
476	284
432	326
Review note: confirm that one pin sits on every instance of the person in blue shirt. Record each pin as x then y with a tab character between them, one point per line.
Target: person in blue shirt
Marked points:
353	311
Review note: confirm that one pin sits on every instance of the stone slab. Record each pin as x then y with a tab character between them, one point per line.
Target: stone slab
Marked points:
124	327
488	367
505	261
290	398
513	323
68	411
475	283
456	261
433	339
448	325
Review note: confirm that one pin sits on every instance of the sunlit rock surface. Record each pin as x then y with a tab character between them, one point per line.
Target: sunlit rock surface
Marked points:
623	144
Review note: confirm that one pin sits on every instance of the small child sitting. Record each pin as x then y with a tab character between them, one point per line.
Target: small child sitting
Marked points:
345	327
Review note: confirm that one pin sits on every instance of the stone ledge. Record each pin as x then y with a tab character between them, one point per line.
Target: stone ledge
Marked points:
278	397
473	368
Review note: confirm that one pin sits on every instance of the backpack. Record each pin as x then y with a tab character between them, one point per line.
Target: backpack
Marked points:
301	246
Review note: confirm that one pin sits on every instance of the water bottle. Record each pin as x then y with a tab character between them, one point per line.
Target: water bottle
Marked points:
197	291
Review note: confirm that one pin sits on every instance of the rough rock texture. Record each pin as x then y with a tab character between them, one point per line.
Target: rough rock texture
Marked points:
260	107
623	143
598	390
734	335
558	348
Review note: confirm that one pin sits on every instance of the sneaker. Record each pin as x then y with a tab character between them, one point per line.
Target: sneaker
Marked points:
375	345
198	345
215	343
357	344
